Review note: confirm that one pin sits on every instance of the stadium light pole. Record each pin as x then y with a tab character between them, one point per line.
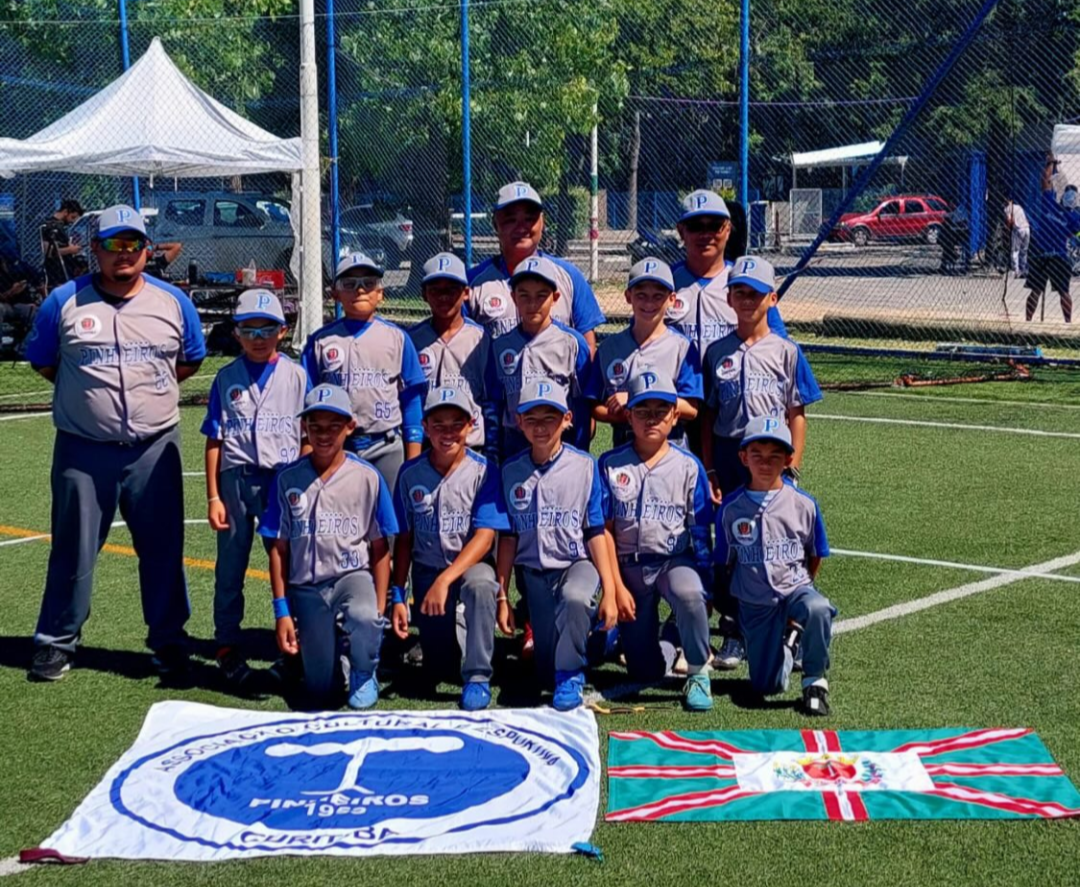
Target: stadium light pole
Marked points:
744	105
125	58
332	126
311	283
466	131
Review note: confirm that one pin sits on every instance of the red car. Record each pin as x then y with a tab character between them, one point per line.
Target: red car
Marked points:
906	217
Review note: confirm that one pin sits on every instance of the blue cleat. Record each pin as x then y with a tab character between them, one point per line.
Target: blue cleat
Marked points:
569	690
698	693
363	690
476	696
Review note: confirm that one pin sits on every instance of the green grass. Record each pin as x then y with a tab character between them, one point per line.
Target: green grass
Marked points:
1000	658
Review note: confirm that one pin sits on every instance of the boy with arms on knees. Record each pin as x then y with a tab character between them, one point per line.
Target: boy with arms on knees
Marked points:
376	363
449	507
648	343
252	429
770	540
329	518
555	503
658	521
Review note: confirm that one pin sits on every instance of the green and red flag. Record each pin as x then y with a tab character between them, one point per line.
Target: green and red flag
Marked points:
824	774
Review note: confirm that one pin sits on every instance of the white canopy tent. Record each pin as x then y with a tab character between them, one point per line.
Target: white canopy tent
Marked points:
845	156
1065	145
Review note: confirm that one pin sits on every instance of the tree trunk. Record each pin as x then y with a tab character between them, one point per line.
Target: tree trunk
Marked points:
632	188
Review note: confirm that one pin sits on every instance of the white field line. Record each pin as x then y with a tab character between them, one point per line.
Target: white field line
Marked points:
194	474
26	394
1031	432
12	866
23	416
24	539
933	398
1027	572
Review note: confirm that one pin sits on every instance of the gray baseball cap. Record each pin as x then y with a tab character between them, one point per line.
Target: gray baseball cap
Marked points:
542	393
753	272
768	428
118	219
649	384
652	269
516	192
449	397
259	304
703	203
536	266
445	266
357	260
329	398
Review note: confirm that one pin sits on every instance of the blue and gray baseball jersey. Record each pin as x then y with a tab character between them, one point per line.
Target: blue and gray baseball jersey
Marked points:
253	411
115	359
442	512
620	356
329	526
764	379
768	538
661	511
376	363
491	306
458	362
553	508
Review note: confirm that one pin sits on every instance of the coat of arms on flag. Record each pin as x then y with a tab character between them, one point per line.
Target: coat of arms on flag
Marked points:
823	774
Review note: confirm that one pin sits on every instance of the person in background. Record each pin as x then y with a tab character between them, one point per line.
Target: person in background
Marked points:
21	291
57	251
1016	221
1052	229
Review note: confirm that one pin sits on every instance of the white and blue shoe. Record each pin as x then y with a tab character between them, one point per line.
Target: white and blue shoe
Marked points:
476	696
569	690
363	690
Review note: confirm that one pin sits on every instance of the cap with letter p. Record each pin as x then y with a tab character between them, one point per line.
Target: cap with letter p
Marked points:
328	398
535	266
650	384
542	393
767	428
703	203
446	396
358	260
117	220
517	192
259	304
753	272
445	266
651	269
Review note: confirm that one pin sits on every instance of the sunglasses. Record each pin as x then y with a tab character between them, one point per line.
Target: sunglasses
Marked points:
351	284
253	333
123	245
712	225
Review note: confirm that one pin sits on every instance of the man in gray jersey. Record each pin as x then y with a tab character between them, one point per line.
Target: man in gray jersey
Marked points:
116	345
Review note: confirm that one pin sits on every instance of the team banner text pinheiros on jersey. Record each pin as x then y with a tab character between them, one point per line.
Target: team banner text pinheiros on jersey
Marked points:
823	774
208	783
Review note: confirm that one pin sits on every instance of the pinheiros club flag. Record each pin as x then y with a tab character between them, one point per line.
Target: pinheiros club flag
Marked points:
208	783
823	774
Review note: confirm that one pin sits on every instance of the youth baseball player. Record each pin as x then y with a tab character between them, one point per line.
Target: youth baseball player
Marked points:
449	507
329	516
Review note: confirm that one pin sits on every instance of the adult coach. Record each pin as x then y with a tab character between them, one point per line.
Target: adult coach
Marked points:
1053	226
519	224
116	345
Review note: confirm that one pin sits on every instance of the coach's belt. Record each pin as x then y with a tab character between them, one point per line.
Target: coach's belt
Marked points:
370	438
644	559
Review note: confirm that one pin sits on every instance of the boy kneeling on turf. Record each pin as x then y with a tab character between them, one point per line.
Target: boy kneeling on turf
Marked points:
659	516
555	503
329	518
449	507
770	540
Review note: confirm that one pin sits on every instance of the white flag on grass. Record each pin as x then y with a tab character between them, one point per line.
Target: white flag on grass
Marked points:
208	783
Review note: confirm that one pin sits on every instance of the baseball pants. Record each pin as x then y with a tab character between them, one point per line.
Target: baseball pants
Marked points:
89	479
461	638
562	604
731	474
386	454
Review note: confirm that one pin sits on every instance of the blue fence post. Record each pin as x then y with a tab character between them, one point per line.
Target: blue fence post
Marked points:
466	130
332	125
977	201
125	57
744	104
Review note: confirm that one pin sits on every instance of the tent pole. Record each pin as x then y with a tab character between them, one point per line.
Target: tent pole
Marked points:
125	57
311	277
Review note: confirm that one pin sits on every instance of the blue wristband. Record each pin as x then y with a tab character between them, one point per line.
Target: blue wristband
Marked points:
281	608
397	595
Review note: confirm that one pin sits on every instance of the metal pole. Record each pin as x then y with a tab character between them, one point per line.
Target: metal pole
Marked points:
594	201
466	130
744	105
332	125
125	57
311	281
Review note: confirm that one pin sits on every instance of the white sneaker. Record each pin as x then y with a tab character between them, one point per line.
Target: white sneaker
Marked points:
731	654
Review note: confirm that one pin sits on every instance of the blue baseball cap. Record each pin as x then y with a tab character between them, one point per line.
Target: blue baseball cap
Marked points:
753	272
118	219
517	192
536	266
329	398
449	397
703	203
445	266
649	384
767	428
357	260
652	269
543	393
259	304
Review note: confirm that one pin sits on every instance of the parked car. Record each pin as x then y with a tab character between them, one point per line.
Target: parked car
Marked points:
394	231
904	217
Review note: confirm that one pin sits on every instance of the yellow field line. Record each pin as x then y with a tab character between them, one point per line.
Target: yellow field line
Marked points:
194	563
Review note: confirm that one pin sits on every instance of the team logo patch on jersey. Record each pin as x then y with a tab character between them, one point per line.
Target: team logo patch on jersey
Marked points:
678	309
235	395
509	360
726	368
420	498
426	363
297	500
623	482
519	497
494	305
745	531
332	357
616	372
87	326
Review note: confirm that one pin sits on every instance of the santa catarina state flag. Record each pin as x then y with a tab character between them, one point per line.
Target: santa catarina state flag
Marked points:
846	775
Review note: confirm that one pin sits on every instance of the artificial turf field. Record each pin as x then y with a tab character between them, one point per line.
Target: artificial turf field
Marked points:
987	497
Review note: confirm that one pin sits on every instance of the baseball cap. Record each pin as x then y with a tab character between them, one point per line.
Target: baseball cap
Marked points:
753	272
703	203
767	428
516	192
536	266
117	219
259	304
357	260
542	393
445	266
650	385
651	268
329	398
449	397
